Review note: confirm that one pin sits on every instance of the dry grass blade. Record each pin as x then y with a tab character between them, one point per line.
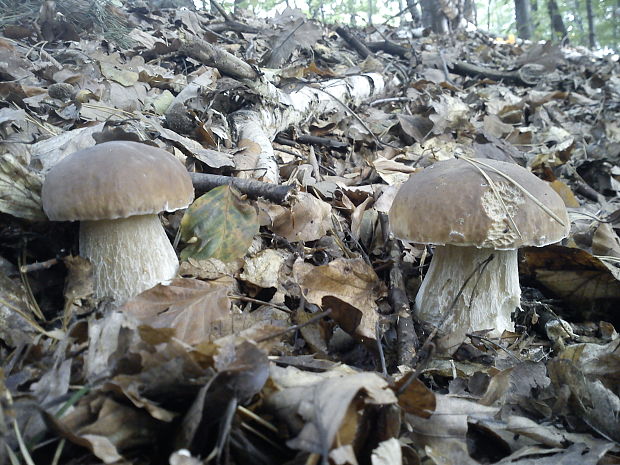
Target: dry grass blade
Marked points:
58	452
28	319
32	301
472	162
248	413
521	188
12	456
22	446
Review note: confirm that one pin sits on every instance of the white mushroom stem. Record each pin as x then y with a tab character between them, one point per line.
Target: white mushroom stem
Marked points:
488	298
129	255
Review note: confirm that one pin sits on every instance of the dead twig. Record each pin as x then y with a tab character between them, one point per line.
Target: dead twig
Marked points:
204	182
38	266
355	43
407	338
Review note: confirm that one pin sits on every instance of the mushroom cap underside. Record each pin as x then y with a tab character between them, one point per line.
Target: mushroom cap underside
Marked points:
452	202
113	180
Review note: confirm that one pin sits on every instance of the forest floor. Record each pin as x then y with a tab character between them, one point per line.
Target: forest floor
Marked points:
287	337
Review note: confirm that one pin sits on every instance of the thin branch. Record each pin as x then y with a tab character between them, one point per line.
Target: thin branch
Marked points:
204	182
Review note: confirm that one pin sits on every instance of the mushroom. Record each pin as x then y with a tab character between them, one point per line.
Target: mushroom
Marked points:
116	190
476	226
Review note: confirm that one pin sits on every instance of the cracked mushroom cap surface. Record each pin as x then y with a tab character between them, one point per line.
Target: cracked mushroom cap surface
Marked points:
451	202
116	179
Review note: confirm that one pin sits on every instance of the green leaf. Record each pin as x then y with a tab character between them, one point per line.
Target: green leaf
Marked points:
219	224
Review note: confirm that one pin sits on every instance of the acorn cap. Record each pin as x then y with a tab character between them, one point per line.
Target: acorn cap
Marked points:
113	180
451	202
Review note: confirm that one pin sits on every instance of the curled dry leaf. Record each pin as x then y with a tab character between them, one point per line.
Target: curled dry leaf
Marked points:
104	426
416	399
605	241
444	434
189	306
79	286
515	384
450	113
596	405
307	219
392	171
350	287
327	406
572	274
416	126
210	268
598	361
242	371
105	336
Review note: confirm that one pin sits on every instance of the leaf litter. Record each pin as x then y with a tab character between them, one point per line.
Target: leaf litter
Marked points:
279	340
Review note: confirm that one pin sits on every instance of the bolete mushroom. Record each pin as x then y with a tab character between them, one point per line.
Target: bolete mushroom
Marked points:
116	190
476	226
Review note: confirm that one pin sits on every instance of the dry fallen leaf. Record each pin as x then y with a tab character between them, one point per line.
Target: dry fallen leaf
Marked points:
392	171
189	306
350	287
605	241
105	426
597	361
308	218
416	399
242	370
572	274
444	434
594	404
328	406
220	224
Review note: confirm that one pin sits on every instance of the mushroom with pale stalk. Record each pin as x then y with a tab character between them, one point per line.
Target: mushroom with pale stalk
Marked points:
116	190
477	213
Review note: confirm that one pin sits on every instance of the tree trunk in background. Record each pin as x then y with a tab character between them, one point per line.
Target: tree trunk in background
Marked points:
433	17
578	20
468	12
489	15
413	11
557	23
534	16
370	8
616	16
523	16
352	13
591	36
442	16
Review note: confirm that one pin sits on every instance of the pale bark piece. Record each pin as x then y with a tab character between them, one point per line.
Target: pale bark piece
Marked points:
261	123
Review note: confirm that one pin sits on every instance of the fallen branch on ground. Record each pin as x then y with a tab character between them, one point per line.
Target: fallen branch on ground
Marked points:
204	182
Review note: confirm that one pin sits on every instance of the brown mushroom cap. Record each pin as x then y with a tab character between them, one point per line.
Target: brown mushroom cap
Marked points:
451	202
114	180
